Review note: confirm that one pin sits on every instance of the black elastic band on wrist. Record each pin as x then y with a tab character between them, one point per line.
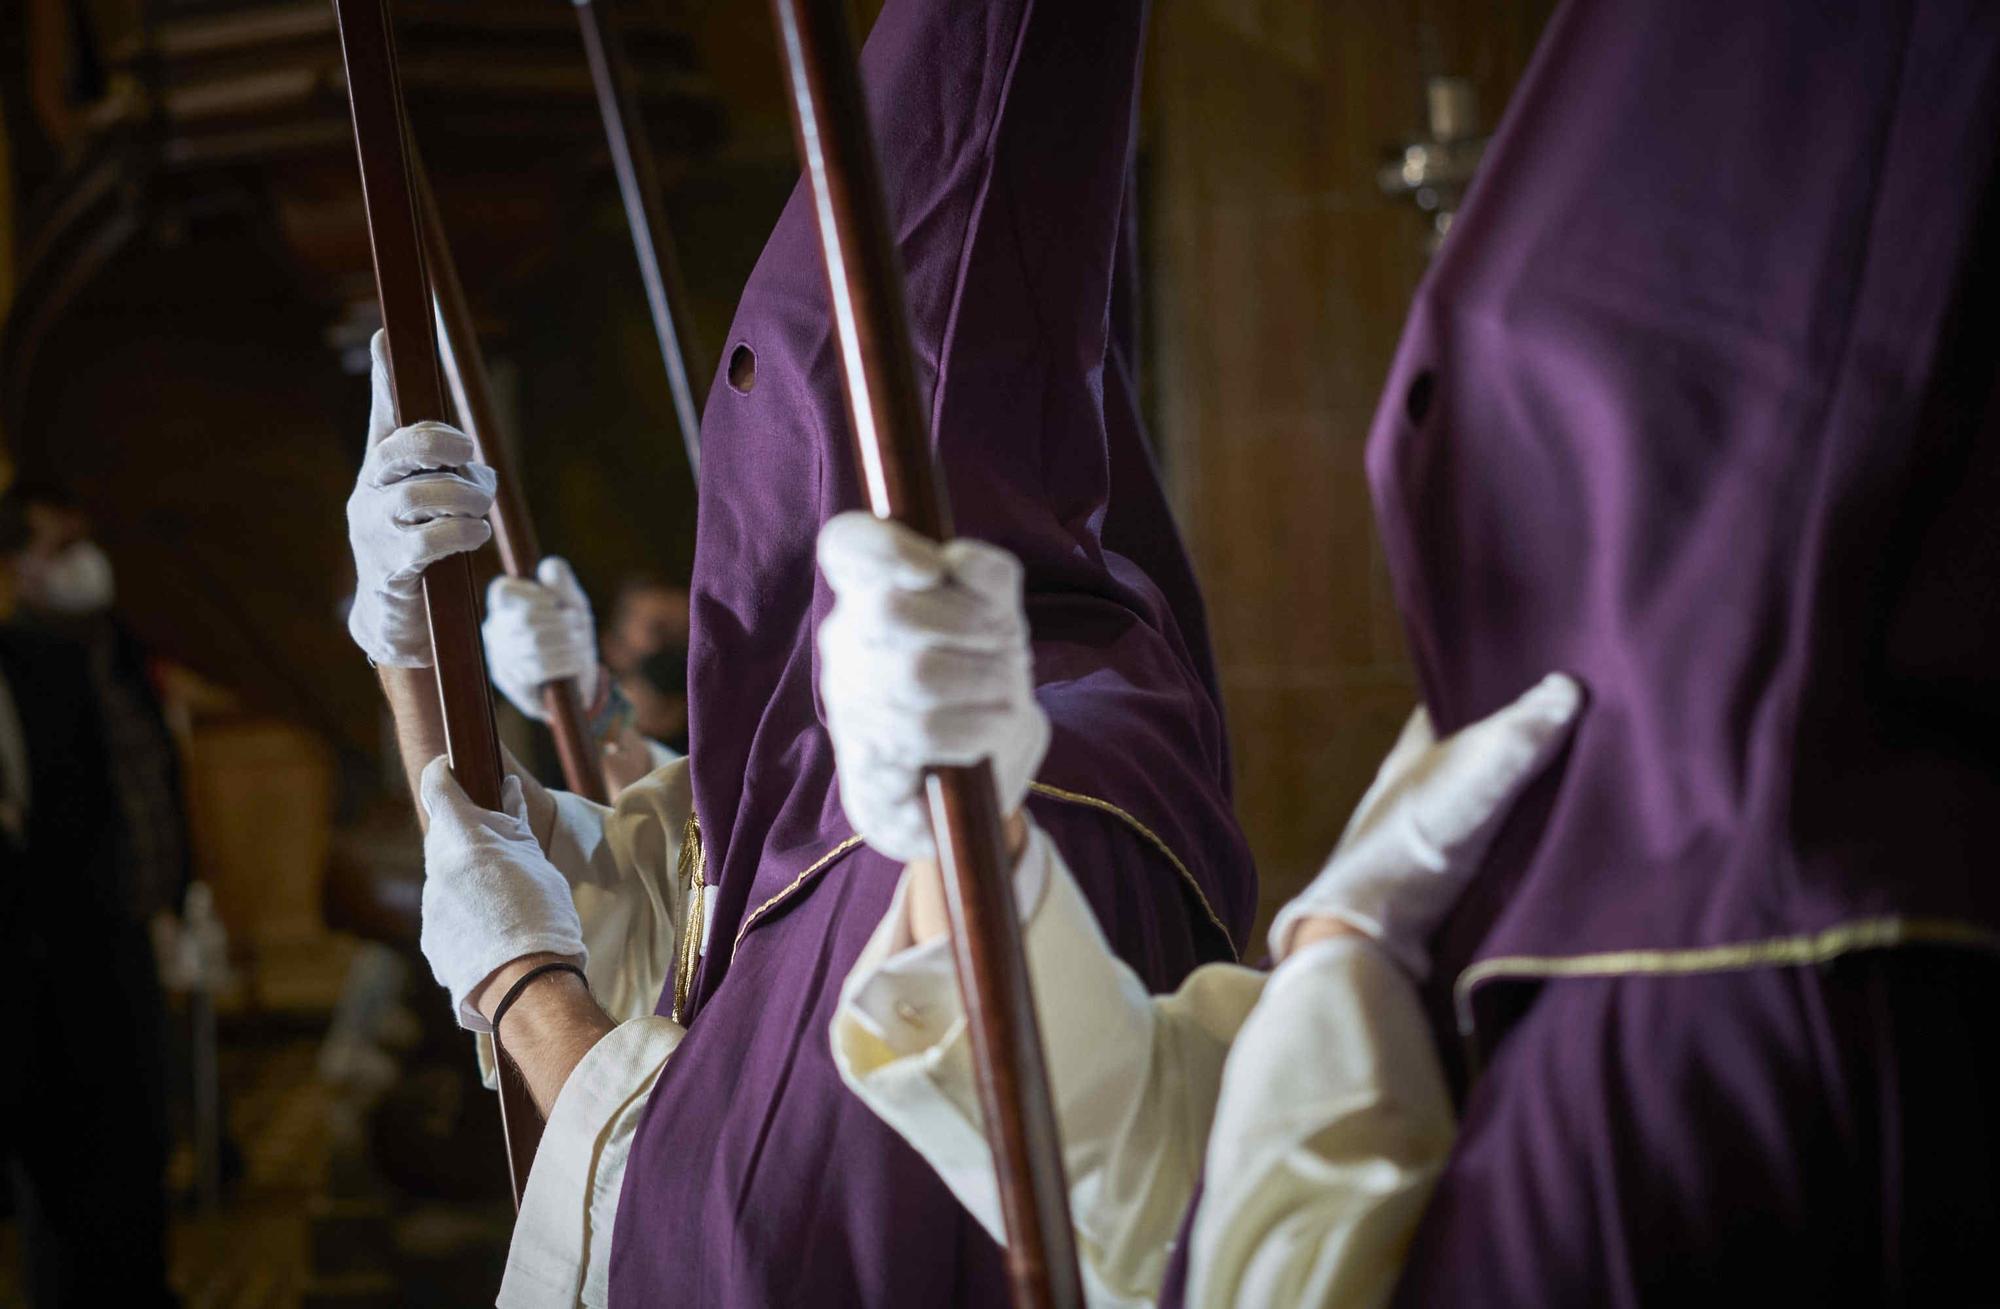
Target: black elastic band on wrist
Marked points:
521	984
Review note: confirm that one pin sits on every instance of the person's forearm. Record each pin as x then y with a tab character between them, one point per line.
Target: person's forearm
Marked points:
1318	928
412	694
548	1029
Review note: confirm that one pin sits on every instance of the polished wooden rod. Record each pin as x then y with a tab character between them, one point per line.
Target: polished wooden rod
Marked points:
513	529
639	187
892	445
402	286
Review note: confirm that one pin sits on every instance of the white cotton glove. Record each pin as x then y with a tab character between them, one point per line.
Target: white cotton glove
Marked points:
490	894
540	632
924	660
422	496
1424	826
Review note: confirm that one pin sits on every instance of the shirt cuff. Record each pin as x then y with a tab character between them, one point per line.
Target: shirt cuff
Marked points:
908	1000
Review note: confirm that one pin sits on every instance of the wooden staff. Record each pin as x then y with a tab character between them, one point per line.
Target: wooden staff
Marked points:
513	529
893	447
639	187
402	286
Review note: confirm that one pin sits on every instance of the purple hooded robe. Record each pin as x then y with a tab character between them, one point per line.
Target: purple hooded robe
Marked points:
1006	134
1698	403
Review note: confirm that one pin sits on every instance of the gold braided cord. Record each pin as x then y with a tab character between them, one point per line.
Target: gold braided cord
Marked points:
692	870
796	883
1105	806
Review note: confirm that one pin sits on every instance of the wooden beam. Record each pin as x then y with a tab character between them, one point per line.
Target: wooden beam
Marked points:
513	528
402	286
645	214
892	446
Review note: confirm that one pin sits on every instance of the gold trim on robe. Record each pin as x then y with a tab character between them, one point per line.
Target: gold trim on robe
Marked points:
1774	952
1187	876
1036	788
786	894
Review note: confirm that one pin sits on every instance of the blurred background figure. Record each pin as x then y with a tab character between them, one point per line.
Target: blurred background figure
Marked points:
63	585
631	677
83	1123
645	645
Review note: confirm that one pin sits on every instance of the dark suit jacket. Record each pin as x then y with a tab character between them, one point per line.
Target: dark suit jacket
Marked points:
83	1108
66	876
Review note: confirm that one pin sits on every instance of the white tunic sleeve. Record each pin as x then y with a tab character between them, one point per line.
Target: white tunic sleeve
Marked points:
561	1251
1312	1096
1331	1129
634	892
640	902
1135	1078
641	909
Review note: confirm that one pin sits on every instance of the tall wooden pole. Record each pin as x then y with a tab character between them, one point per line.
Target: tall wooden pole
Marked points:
402	286
892	444
513	528
639	187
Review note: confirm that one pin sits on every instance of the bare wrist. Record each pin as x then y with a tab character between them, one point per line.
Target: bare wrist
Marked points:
924	906
1317	928
551	1025
489	992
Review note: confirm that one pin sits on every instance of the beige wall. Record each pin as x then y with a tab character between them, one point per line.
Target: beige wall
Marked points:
1280	277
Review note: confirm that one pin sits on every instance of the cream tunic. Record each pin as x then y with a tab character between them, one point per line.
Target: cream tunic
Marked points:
1309	1098
1310	1094
641	913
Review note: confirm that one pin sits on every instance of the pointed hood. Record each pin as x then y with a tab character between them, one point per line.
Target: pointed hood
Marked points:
1698	404
1006	135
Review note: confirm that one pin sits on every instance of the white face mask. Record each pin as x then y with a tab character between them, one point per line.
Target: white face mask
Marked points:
75	582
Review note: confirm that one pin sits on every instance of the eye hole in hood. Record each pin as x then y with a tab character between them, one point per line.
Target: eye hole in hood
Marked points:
742	369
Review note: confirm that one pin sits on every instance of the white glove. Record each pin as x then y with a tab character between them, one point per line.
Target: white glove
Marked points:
421	497
540	632
1424	826
924	660
490	894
